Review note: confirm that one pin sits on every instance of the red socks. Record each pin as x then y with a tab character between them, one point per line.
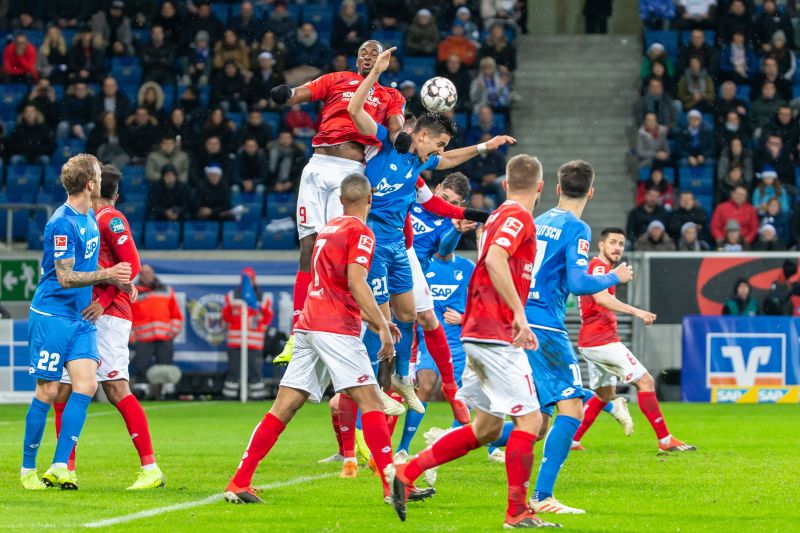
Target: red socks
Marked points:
301	283
334	405
136	422
591	409
450	446
347	424
519	462
261	442
436	342
59	408
376	434
648	403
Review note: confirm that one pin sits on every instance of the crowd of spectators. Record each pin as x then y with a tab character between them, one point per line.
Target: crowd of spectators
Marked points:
180	89
718	143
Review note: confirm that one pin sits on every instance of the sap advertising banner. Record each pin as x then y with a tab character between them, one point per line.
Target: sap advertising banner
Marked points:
741	359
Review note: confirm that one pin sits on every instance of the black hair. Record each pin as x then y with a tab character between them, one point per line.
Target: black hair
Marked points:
575	178
436	123
458	183
612	230
109	186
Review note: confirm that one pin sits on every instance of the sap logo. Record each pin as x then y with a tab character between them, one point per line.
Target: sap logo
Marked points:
443	292
91	247
730	395
771	395
419	227
744	360
384	188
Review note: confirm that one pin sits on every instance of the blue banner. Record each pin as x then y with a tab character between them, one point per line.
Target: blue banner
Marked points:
740	359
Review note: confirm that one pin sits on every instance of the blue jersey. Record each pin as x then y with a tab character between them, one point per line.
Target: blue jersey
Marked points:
393	177
449	281
562	243
432	234
67	235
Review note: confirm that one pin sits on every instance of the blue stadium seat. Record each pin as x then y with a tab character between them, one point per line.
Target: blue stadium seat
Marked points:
706	201
51	182
669	38
204	93
169	97
274	120
11	94
743	92
127	71
67	148
133	180
36	37
200	235
390	38
462	121
239	235
35	236
21	219
160	235
321	16
140	35
237	119
281	206
686	37
134	210
284	240
221	11
699	180
420	69
22	179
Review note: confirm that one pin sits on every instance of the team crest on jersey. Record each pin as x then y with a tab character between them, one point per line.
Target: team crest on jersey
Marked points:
419	227
91	247
393	167
116	225
60	243
512	226
583	247
384	188
458	275
206	318
366	243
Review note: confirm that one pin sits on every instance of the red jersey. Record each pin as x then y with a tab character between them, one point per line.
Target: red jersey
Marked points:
330	307
598	323
336	90
116	246
487	317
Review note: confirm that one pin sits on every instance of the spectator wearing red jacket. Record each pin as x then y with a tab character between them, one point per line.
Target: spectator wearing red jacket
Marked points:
19	61
738	209
656	181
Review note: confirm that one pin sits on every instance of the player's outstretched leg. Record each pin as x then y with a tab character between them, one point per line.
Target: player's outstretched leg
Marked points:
35	421
439	349
648	403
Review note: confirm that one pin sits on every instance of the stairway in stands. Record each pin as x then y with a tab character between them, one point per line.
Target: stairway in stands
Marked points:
576	99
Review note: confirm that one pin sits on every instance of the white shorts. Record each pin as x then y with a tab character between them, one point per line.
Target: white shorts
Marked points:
318	196
113	334
320	358
610	362
422	291
498	380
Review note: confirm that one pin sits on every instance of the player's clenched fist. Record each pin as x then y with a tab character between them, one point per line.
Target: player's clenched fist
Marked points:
624	272
500	140
522	332
120	273
647	317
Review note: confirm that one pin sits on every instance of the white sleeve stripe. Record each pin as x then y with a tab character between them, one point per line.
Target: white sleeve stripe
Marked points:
424	194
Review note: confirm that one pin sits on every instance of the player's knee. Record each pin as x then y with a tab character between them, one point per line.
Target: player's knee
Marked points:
116	391
334	405
606	394
544	425
646	383
47	392
530	423
427	319
405	315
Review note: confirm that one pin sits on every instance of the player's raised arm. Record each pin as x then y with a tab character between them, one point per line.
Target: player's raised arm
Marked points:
453	158
362	120
440	207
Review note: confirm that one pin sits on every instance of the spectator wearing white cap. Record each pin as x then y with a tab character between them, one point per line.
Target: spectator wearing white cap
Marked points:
690	240
768	187
213	196
767	240
422	36
655	239
262	82
656	53
413	101
695	142
471	30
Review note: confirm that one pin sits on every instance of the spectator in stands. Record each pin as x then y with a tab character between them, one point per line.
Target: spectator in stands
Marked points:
111	100
695	13
115	29
741	301
486	168
251	168
778	301
688	210
497	46
280	20
140	133
656	181
727	102
459	45
51	61
151	96
167	153
350	29
769	187
774	154
67	13
769	73
86	60
596	15
689	239
486	125
651	144
696	88
767	240
784	124
105	141
695	142
228	91
173	24
212	154
656	53
231	49
178	126
463	16
659	72
655	239
256	128
422	36
262	82
490	87
787	63
734	178
286	160
767	23
456	72
641	216
510	14
205	20
158	59
413	101
76	113
764	109
732	240
25	15
168	198
43	97
32	141
738	63
306	55
735	20
339	64
246	25
732	128
656	101
778	219
300	122
213	196
19	61
199	61
218	125
699	48
739	210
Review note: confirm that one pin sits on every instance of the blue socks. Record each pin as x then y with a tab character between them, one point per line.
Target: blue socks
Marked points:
556	449
372	341
608	408
588	394
35	421
412	423
508	427
71	425
403	348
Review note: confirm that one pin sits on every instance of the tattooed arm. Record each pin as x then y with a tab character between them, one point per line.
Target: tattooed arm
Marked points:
69	279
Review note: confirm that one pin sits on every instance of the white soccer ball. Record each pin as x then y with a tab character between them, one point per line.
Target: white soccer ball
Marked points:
439	95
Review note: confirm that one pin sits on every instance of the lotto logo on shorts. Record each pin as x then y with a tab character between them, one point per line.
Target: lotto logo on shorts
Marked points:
113	374
362	378
60	243
512	226
583	247
516	409
366	243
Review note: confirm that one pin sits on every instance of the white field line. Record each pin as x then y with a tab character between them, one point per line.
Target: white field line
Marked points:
147	409
196	503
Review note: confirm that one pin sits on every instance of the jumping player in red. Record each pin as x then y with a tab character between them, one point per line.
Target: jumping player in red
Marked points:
609	360
497	381
328	341
111	310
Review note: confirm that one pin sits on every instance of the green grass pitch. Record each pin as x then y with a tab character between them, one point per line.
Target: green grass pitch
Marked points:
743	478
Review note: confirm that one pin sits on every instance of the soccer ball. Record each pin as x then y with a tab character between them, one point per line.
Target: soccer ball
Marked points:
439	95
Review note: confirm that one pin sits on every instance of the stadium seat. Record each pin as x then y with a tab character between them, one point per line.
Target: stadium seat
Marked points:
237	119
169	97
669	38
699	180
390	38
127	71
67	148
797	176
200	235
11	94
239	235
462	121
160	235
420	69
204	93
36	37
140	36
706	201
51	182
273	119
686	37
23	179
281	205
134	210
20	218
35	236
321	16
222	11
133	180
283	240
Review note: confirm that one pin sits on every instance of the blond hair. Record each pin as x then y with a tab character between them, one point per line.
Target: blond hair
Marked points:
523	172
77	172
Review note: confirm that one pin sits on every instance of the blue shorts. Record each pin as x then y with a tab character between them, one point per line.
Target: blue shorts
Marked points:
425	361
390	272
556	373
54	340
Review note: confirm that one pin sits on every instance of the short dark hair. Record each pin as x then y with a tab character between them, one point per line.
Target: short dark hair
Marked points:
458	183
110	176
611	231
435	123
576	178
